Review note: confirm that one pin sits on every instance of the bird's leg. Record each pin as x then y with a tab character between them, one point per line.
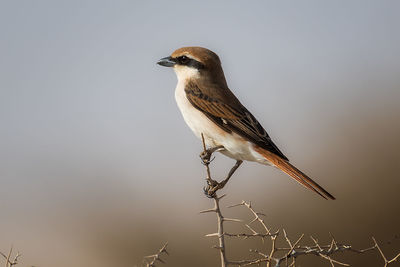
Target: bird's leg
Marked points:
213	186
206	154
231	172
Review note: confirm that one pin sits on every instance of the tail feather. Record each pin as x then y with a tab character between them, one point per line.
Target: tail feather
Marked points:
295	173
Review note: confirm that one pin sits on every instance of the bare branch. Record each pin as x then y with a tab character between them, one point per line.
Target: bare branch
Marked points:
152	259
220	233
9	260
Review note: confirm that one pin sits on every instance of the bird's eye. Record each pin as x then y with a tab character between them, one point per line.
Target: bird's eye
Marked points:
183	59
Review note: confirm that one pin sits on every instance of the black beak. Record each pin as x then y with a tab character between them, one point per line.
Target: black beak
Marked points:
167	62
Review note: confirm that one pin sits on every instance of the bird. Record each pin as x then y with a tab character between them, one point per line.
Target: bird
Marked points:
216	115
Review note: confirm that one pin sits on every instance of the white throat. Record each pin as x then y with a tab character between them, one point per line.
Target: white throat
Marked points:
185	73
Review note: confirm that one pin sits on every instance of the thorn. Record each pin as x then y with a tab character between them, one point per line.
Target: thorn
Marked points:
236	205
251	229
219	198
211	235
255	219
209	210
231	220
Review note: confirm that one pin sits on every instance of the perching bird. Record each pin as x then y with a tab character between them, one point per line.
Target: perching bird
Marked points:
213	112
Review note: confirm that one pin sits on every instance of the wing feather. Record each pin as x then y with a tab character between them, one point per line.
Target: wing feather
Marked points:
230	116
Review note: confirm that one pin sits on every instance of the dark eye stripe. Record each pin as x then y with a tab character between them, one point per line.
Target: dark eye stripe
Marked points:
190	62
195	64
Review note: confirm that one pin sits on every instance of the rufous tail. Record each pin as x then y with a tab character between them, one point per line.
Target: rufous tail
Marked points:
292	171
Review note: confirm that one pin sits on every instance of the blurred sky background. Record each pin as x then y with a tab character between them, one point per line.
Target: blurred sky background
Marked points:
97	167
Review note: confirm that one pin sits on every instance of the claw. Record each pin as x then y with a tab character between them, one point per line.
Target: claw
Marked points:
206	154
208	193
205	157
207	161
212	187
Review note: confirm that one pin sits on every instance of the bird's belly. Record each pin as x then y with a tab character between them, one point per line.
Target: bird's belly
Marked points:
236	147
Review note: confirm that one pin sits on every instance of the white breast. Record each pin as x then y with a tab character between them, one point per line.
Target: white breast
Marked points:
194	118
235	146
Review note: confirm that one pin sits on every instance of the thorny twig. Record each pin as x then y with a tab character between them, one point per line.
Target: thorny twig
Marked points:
387	262
9	260
152	259
220	230
289	254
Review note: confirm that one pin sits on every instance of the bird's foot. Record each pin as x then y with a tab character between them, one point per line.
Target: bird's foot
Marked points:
205	156
212	187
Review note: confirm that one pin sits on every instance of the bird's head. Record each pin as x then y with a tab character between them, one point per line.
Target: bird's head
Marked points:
193	63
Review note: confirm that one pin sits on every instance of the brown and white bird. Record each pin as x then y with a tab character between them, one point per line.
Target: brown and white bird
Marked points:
211	110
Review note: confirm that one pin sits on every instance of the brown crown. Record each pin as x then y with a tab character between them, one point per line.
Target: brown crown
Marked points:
203	55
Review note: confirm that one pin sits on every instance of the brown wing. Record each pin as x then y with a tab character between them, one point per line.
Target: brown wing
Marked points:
230	115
